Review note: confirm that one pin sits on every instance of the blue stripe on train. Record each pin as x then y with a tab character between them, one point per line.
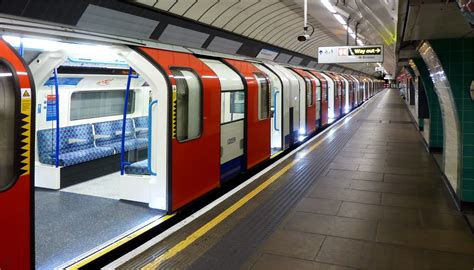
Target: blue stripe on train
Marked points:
232	168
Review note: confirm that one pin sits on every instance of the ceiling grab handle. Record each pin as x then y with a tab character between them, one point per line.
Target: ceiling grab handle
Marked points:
58	143
124	121
275	110
150	130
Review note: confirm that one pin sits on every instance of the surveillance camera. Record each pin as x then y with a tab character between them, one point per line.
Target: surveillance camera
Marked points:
303	37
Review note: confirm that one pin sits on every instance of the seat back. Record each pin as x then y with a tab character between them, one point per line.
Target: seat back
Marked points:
73	138
141	126
112	131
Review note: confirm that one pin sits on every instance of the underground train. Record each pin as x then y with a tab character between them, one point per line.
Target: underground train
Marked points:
176	122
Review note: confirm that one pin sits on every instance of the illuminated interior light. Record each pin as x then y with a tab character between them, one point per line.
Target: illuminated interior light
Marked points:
340	19
300	138
329	6
302	131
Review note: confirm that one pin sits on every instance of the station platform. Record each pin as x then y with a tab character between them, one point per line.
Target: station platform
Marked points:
365	194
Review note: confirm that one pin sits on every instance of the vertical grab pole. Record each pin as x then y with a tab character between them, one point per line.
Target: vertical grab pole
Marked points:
124	122
150	137
275	110
58	144
21	50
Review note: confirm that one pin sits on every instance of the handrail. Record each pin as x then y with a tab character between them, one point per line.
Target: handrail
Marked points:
150	118
58	143
124	121
274	110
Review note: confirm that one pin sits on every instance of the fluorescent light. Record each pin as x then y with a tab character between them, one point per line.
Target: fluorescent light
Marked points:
329	6
353	35
340	19
360	42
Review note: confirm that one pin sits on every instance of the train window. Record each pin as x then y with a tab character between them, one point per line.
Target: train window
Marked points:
232	106
263	96
309	93
8	168
318	92
94	104
188	104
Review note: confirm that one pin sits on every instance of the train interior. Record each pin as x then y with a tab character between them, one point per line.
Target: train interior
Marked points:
92	172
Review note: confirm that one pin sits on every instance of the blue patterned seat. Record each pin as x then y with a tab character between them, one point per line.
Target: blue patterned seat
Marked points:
110	134
141	131
141	126
140	168
76	146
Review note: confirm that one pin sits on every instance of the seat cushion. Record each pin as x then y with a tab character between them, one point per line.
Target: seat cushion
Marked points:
141	143
129	145
76	157
140	168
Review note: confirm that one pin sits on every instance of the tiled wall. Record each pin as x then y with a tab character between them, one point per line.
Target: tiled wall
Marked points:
436	124
452	146
457	58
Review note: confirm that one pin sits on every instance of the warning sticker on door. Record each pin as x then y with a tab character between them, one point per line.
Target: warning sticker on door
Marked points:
26	100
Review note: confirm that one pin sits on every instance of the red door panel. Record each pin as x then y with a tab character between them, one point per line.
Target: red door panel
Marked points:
258	131
310	110
195	163
16	183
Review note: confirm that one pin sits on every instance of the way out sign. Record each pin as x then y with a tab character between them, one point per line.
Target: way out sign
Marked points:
350	54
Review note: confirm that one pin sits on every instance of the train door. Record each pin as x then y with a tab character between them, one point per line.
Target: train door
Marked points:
346	94
258	112
331	94
278	113
195	133
308	101
323	96
293	102
232	115
16	148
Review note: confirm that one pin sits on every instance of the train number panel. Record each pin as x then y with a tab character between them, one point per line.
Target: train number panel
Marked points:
16	212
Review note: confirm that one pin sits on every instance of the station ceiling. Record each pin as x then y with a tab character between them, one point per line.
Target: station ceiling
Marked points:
279	22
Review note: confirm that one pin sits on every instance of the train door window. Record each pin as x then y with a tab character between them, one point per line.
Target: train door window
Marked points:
8	149
318	91
232	106
188	104
263	96
309	92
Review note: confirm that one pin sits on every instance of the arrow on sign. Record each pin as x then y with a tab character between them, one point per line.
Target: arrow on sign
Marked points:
377	50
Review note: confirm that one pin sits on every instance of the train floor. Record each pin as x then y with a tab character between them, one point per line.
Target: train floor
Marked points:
364	195
75	220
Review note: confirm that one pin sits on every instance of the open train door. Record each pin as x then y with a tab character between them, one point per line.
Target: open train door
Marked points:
16	187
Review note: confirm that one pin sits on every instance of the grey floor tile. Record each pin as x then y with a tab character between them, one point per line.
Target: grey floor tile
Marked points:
330	181
435	239
437	219
384	187
343	194
414	201
294	244
274	262
332	225
347	252
391	215
320	206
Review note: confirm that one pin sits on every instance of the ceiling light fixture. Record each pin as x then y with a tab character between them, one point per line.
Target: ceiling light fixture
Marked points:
329	6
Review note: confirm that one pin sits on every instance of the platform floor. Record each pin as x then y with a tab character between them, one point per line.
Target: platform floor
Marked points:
365	196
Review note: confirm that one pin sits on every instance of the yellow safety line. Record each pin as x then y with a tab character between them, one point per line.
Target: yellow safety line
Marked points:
118	243
218	219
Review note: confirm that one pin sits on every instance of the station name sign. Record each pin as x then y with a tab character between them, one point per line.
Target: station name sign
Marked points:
350	54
